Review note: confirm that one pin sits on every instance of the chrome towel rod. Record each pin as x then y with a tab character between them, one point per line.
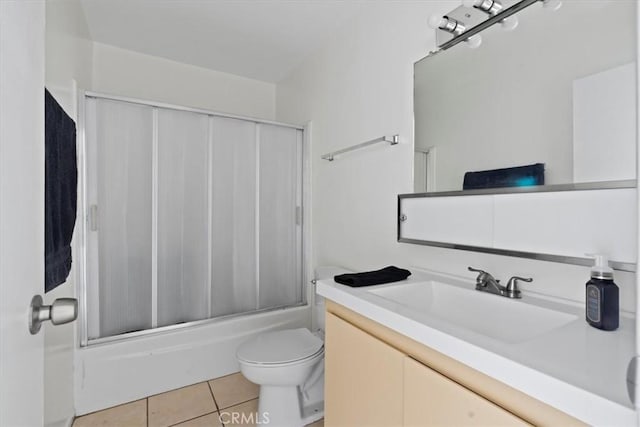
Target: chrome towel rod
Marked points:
393	140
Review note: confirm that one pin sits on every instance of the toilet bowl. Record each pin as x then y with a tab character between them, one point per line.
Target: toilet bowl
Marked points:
289	368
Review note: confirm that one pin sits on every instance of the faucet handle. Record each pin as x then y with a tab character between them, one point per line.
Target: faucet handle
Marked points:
512	284
482	276
476	270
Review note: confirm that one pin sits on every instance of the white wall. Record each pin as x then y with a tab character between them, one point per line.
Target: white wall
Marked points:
68	56
360	87
68	53
123	72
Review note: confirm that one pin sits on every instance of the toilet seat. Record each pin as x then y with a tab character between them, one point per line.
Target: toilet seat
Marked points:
281	347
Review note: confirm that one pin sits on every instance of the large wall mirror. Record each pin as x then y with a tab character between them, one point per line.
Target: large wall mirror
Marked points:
558	90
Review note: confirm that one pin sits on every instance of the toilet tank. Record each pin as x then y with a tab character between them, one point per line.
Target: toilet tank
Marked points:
321	273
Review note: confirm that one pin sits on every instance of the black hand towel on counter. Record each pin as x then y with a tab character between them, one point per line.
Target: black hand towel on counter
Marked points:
377	277
60	192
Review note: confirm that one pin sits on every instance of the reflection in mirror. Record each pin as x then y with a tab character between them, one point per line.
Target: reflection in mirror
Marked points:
559	90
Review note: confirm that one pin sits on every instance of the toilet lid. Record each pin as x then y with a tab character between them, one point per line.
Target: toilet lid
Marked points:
280	347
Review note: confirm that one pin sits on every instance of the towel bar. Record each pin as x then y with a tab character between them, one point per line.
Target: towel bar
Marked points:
392	140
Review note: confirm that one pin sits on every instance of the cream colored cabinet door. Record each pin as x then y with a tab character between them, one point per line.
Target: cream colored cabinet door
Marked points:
431	399
363	378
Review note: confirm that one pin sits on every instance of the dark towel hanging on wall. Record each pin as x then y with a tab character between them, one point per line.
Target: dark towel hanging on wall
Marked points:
60	191
518	176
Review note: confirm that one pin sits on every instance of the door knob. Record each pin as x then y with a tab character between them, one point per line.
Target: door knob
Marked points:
63	310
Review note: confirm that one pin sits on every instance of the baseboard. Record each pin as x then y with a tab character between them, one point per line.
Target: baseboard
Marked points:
66	422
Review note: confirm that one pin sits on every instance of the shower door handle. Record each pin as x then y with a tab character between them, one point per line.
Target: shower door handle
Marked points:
63	310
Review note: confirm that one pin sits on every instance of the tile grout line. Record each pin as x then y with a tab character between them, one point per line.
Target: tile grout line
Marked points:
239	403
215	402
191	419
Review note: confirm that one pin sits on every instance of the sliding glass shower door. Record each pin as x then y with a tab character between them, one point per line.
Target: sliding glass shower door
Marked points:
190	216
181	216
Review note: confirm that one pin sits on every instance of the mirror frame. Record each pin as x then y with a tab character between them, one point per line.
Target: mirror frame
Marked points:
587	262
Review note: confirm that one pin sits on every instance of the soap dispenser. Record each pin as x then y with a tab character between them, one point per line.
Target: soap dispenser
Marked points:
602	296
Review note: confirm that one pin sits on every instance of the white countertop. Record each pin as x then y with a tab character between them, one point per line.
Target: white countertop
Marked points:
575	368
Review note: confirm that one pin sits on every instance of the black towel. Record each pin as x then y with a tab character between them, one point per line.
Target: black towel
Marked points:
377	277
60	191
518	176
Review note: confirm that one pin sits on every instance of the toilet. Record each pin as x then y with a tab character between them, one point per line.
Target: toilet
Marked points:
288	366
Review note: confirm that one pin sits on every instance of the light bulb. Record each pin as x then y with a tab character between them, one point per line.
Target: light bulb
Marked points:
552	4
510	23
446	24
474	41
436	21
490	7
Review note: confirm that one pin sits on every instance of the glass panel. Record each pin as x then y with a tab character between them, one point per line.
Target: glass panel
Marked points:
225	205
233	256
121	136
280	277
183	268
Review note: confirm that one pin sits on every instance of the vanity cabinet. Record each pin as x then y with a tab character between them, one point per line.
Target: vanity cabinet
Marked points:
431	399
364	387
377	377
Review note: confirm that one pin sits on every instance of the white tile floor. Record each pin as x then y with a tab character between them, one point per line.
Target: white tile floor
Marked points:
211	403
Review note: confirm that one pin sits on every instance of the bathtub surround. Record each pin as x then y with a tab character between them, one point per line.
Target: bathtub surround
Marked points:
238	209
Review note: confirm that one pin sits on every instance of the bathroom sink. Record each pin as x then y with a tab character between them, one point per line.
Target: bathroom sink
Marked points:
507	320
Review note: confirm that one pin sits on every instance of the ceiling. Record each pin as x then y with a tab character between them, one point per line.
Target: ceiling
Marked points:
259	39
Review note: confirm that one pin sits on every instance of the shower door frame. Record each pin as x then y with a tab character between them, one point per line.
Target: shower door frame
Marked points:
81	238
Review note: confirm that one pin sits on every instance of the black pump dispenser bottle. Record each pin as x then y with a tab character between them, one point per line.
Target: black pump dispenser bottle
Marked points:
602	296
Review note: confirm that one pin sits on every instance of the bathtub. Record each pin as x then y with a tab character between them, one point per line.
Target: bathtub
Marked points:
116	372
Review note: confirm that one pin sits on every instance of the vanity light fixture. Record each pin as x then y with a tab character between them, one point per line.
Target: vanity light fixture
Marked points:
492	8
462	24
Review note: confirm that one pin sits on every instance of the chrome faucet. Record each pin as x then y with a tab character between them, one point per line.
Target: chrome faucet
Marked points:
485	282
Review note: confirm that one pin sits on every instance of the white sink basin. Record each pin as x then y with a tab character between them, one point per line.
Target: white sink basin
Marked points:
507	320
